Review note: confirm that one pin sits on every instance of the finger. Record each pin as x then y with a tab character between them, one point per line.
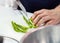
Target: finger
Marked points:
34	16
42	15
52	22
43	20
37	13
35	21
40	11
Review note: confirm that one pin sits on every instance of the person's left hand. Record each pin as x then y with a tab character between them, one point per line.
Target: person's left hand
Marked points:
46	17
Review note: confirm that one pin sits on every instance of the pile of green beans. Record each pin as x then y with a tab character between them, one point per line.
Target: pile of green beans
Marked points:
22	28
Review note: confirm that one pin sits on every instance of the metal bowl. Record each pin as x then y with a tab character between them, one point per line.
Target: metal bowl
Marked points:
49	34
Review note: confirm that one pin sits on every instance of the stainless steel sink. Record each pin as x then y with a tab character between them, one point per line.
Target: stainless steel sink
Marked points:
50	34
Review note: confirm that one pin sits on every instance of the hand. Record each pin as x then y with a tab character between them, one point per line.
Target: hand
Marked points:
46	17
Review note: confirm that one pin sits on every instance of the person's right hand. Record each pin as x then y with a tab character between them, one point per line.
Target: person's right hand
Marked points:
46	17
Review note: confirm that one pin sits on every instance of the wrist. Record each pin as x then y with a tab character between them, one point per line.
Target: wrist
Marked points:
57	9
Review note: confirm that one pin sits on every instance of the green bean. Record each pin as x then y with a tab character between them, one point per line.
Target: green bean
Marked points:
22	28
19	28
33	26
29	22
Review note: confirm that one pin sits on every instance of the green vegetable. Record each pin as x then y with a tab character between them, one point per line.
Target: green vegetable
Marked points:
33	26
20	28
29	22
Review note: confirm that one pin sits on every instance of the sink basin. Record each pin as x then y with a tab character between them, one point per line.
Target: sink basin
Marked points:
49	34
